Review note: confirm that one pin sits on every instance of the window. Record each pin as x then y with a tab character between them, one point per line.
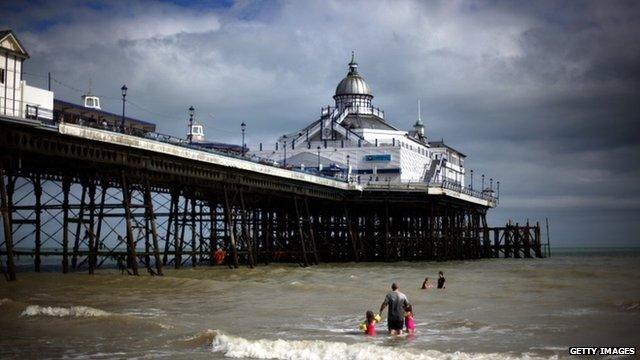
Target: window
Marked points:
1	76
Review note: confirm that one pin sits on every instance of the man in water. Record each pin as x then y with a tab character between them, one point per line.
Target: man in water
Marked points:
395	317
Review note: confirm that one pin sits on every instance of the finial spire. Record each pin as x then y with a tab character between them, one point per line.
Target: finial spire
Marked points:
353	65
419	121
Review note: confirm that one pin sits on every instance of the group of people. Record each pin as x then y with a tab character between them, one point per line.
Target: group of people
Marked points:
400	313
426	285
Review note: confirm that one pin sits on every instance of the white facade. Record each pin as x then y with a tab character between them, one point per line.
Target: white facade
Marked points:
354	139
16	97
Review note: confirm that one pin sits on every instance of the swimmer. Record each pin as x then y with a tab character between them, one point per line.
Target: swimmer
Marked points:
441	280
426	285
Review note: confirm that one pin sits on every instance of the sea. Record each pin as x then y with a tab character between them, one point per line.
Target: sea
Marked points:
490	309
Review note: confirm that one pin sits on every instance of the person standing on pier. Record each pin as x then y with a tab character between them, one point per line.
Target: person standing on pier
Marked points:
396	301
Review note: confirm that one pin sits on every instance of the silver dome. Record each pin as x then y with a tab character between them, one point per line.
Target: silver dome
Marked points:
353	83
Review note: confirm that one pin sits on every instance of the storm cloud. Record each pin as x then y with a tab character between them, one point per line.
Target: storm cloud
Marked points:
541	96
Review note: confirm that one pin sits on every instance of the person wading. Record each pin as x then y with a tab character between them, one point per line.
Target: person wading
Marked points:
395	317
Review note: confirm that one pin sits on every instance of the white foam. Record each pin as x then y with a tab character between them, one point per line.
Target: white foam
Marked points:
237	347
4	301
73	311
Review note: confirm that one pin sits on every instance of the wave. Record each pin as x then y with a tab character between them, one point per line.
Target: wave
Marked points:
73	311
629	305
237	347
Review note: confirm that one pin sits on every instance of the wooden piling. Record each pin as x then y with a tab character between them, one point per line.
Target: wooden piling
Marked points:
37	192
66	186
6	221
92	211
79	223
151	218
231	228
132	260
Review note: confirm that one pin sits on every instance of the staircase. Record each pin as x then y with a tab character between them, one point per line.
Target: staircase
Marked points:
432	170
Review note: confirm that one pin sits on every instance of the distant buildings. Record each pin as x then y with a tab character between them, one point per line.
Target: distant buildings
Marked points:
16	97
354	138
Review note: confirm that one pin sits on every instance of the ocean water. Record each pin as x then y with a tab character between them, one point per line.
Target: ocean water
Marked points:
491	309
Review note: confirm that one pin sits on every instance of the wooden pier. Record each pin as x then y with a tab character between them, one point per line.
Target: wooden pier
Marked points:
95	198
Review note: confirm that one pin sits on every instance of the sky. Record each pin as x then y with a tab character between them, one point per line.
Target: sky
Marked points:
542	96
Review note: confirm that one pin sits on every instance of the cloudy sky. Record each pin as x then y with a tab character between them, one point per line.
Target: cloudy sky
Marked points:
542	96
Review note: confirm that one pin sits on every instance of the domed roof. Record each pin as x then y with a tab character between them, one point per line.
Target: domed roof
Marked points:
353	83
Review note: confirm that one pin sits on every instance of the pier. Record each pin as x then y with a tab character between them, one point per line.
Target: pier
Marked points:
91	188
95	195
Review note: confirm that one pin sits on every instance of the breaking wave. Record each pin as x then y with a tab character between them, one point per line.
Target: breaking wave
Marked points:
629	305
4	301
73	311
237	347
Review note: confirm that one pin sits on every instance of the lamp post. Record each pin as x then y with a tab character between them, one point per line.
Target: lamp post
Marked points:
124	95
190	133
482	182
284	139
318	158
348	167
243	126
471	185
491	184
498	190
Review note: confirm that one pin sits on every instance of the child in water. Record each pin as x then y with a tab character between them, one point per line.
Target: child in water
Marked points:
370	324
408	319
426	285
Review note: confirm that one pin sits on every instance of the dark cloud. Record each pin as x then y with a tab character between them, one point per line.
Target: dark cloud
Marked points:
540	95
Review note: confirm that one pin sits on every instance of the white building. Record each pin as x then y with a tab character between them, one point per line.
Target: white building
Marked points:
354	138
16	97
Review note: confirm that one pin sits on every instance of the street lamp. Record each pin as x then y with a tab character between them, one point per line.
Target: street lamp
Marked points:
498	192
124	95
243	126
284	139
491	184
482	182
471	185
190	133
348	167
318	158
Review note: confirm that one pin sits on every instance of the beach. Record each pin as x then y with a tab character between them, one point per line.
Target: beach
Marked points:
492	308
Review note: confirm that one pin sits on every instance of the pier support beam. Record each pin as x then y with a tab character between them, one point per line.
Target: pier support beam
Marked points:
37	192
10	274
132	259
66	187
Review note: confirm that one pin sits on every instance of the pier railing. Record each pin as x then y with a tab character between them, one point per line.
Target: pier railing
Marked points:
484	194
173	140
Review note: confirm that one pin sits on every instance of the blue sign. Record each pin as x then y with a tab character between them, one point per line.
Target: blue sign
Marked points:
382	157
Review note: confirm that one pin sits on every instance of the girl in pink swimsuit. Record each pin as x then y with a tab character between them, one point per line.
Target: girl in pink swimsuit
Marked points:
370	324
408	319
